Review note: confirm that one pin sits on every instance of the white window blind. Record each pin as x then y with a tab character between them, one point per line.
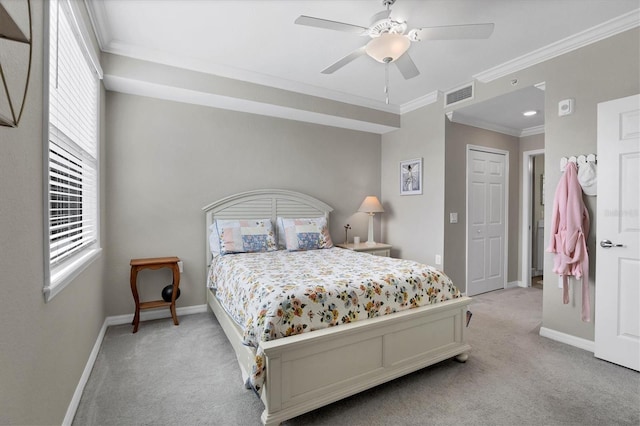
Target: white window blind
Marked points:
73	143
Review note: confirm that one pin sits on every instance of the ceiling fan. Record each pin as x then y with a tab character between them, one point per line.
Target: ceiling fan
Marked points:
389	43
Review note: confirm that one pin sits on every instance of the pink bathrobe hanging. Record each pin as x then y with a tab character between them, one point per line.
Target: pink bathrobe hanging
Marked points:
569	233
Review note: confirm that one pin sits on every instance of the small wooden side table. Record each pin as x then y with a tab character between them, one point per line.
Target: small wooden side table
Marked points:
154	263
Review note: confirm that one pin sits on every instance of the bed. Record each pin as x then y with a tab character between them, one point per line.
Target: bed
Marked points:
347	358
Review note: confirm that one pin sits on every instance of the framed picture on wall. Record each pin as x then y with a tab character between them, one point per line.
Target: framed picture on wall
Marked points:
411	177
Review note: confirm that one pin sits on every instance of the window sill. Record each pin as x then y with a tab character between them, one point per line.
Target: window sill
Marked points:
63	276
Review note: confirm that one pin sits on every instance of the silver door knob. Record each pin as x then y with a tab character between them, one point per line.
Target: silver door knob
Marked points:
609	244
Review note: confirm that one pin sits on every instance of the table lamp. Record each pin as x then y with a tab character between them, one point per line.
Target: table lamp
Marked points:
371	205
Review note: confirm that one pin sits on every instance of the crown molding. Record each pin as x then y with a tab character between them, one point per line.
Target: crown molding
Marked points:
427	99
599	32
456	117
178	94
530	131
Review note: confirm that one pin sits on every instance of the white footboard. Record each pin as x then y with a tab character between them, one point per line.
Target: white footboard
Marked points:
349	358
310	370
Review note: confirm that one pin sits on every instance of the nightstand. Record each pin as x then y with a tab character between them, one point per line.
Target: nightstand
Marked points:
376	249
154	263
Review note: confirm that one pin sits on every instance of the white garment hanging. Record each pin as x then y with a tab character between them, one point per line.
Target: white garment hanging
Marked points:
587	176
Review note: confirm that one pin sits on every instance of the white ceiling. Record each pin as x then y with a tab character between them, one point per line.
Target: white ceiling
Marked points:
257	41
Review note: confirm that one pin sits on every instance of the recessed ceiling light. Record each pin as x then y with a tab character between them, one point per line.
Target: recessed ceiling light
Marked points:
529	113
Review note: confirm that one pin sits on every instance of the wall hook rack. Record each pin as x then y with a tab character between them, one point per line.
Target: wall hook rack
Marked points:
579	160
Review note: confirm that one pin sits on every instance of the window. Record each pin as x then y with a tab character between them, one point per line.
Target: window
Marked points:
72	221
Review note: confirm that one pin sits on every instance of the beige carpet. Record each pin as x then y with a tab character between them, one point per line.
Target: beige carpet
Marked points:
188	375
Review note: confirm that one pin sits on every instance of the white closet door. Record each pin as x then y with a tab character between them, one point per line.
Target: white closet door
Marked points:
486	221
617	316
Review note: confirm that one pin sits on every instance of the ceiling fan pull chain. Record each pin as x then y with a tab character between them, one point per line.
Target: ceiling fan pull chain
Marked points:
386	81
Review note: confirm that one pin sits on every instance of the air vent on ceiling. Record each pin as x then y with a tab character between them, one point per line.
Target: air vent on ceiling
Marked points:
459	94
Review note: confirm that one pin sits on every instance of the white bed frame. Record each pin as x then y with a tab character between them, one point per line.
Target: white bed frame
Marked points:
349	358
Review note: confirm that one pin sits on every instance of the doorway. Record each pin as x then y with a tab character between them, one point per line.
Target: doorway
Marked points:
532	233
504	114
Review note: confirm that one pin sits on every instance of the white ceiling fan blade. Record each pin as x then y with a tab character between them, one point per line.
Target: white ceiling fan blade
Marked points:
452	32
330	25
406	66
344	61
384	14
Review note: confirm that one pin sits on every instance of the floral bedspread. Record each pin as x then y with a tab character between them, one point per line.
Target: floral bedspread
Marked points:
281	293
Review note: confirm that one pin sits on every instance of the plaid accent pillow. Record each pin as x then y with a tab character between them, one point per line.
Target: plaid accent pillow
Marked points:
245	236
306	234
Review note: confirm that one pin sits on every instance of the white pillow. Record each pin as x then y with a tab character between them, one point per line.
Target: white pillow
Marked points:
214	240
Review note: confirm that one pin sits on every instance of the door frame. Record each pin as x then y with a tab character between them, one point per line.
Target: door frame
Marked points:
470	148
526	231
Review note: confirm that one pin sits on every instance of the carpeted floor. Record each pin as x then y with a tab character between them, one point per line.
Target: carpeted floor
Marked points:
188	375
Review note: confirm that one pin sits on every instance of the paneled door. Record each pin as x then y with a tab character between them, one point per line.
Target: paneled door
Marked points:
617	316
487	172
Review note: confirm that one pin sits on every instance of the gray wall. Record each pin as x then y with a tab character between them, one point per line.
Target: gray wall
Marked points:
530	143
166	160
457	137
179	84
45	346
413	223
599	72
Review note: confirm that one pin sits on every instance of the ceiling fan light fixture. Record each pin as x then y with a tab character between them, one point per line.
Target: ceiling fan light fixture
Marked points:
388	45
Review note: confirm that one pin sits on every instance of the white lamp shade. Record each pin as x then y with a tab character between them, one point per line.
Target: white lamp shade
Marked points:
371	204
387	45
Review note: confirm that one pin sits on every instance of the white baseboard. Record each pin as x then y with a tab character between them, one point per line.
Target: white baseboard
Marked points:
75	400
513	284
578	342
118	320
155	314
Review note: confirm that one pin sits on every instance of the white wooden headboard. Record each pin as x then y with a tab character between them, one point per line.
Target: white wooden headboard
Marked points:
260	204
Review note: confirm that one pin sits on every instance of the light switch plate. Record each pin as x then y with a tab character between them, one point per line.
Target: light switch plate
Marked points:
453	217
